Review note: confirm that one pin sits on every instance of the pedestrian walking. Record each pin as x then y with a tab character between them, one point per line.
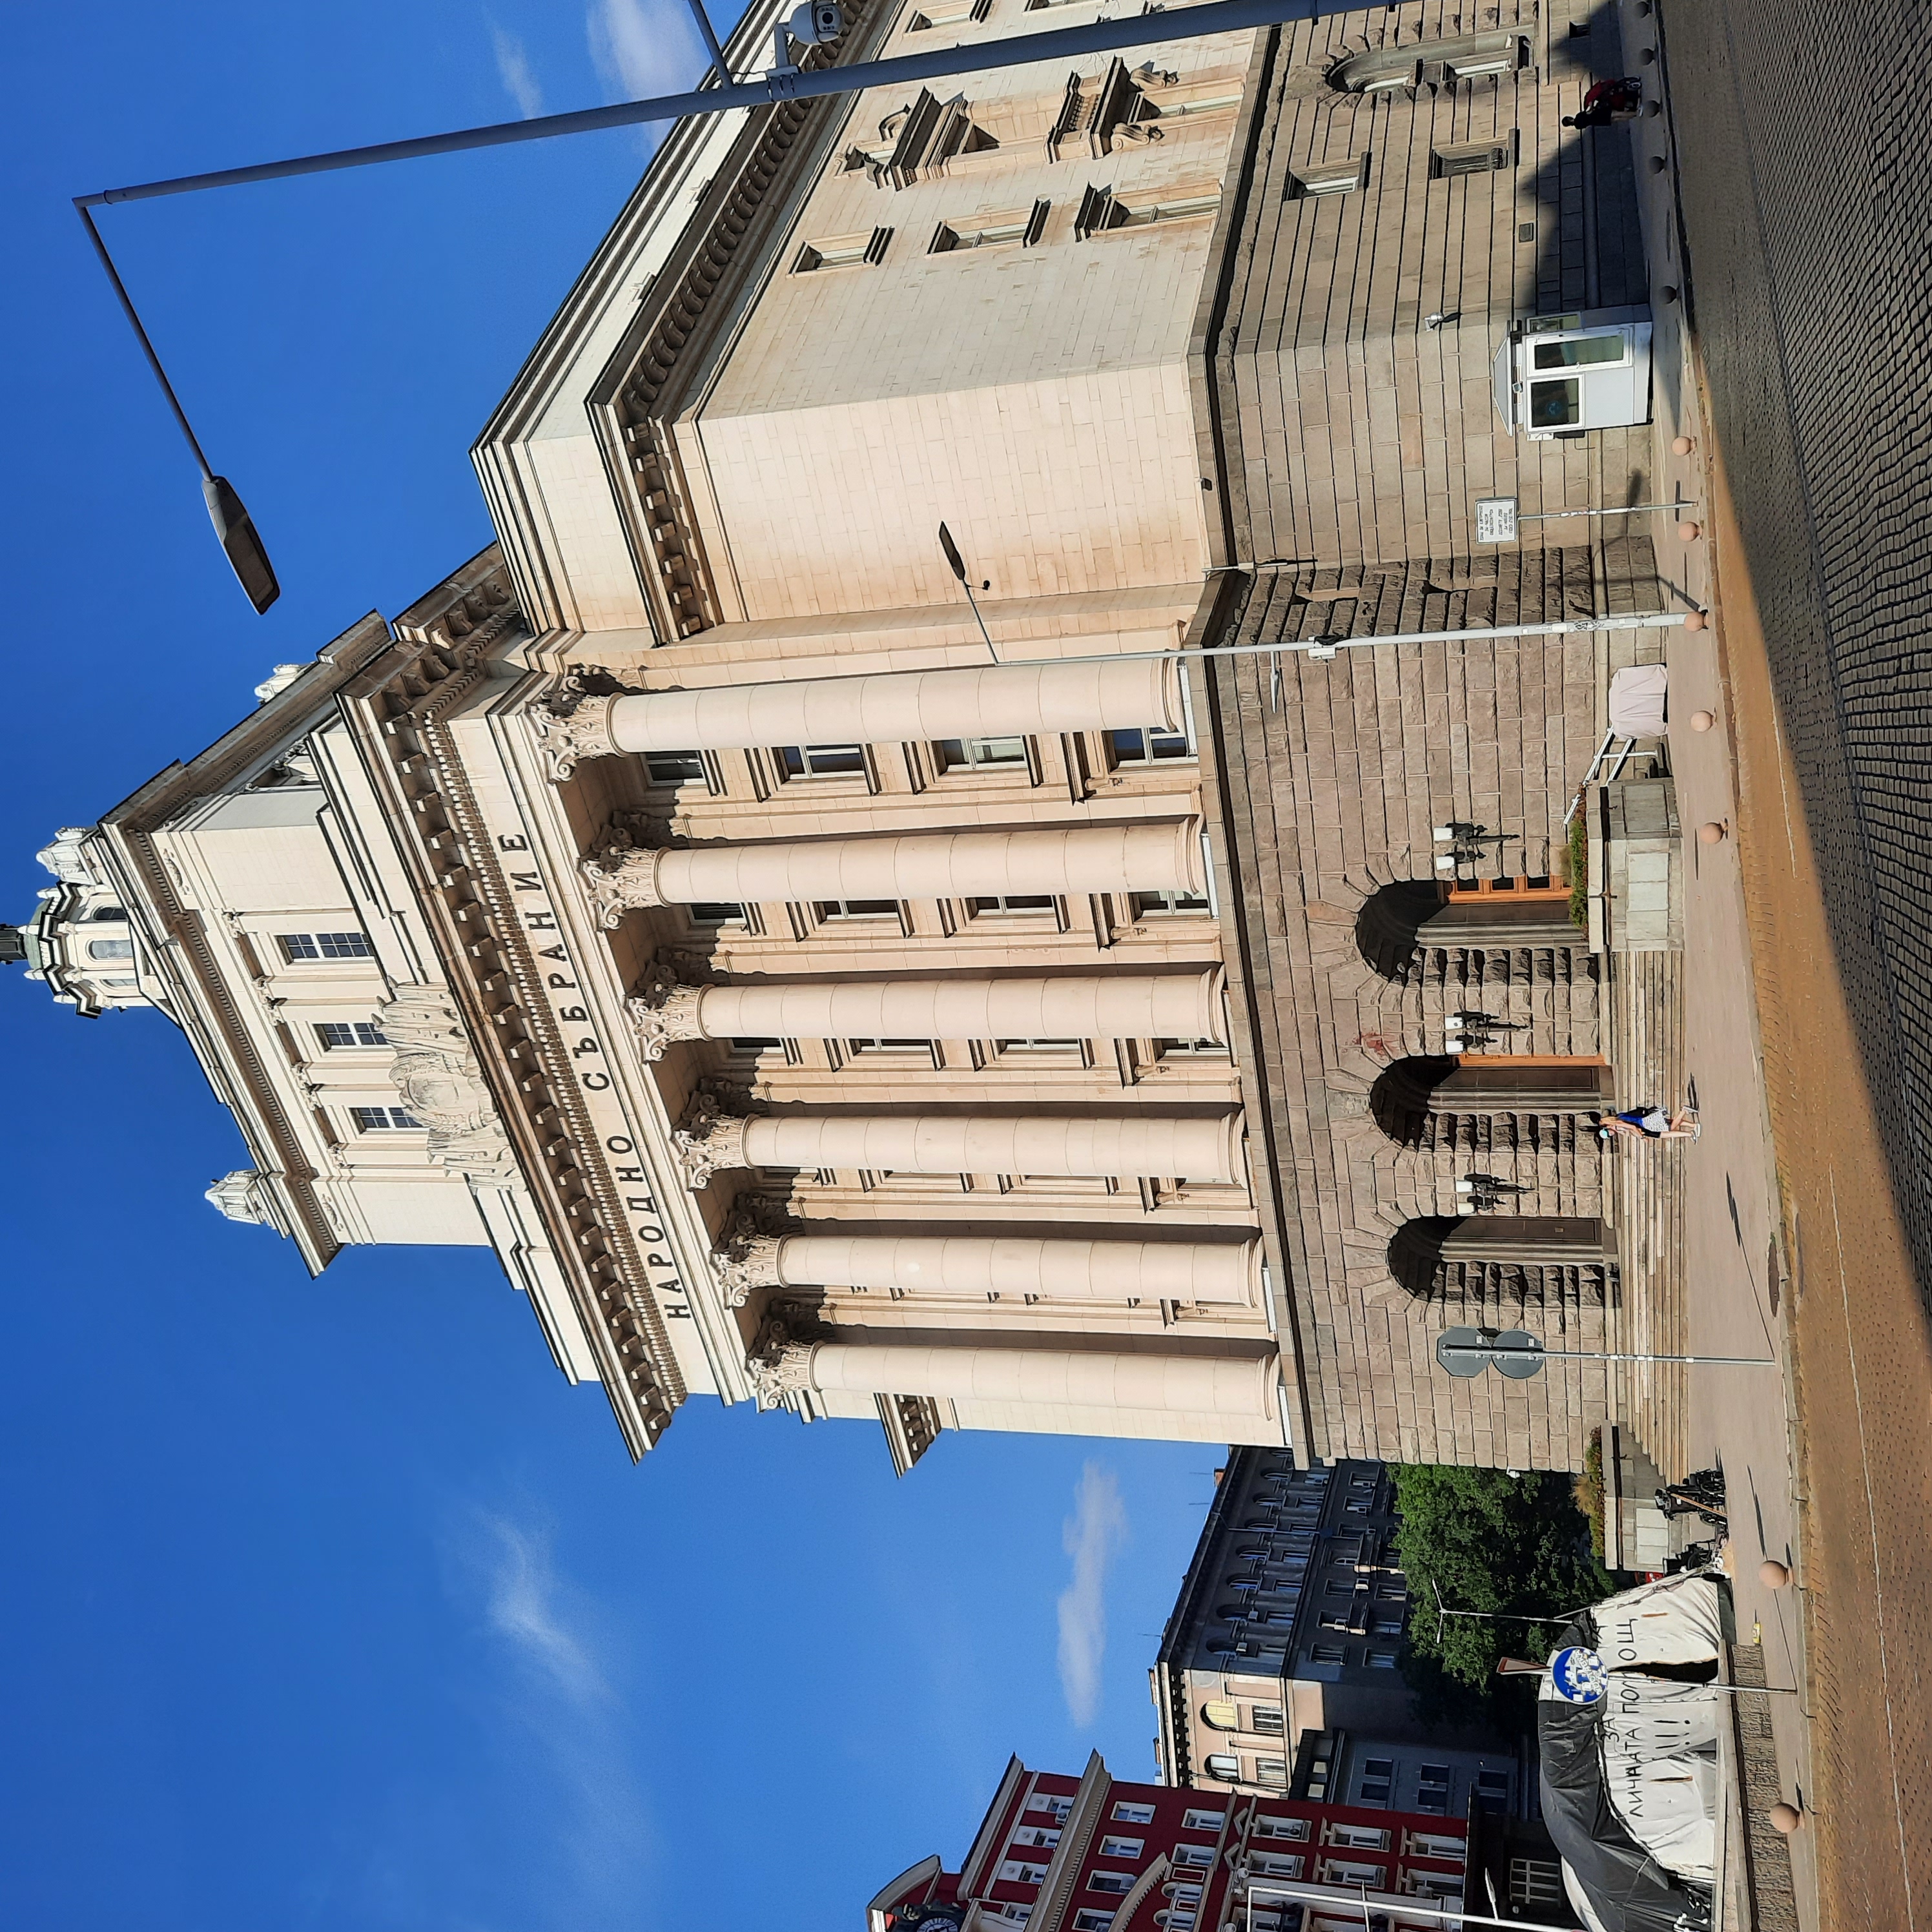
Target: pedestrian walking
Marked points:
1609	102
1651	1124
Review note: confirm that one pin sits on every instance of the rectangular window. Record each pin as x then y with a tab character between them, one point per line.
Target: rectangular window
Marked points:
1433	1774
1556	405
334	1033
1535	1882
715	912
951	13
1274	1865
1159	905
1377	1775
1282	1827
1008	228
1021	1871
1384	1660
1035	1837
1203	1820
1044	1801
960	754
1126	1813
1352	1871
381	1120
1327	1653
1432	1845
1038	1045
1268	1721
673	767
1147	747
1473	157
1271	1770
1198	1858
1011	902
1582	352
1185	1049
297	946
1493	1784
1092	1921
1121	1848
1116	1882
1329	177
1360	1837
831	909
744	1045
1103	212
821	761
866	250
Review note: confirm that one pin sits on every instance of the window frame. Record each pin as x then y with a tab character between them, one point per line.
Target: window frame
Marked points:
862	249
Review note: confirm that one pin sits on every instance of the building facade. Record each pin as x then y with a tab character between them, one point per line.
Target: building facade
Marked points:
1057	1853
1279	1670
821	999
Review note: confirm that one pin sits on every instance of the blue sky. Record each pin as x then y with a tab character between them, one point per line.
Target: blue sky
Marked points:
329	1604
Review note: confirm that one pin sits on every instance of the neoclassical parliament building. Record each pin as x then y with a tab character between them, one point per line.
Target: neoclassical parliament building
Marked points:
821	998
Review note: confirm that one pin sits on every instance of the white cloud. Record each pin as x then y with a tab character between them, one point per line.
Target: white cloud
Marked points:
514	70
1092	1535
562	1691
521	1598
643	50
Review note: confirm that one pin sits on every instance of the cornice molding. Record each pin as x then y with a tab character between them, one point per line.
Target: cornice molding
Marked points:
402	717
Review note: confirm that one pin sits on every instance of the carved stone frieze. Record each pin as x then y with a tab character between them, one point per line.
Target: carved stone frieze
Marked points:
708	1141
567	737
662	1009
441	1083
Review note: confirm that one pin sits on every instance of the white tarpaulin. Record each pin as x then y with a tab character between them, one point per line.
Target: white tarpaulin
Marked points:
1678	1620
1659	1744
1637	701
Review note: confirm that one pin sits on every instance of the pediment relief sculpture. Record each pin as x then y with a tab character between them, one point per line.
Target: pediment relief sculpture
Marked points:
442	1085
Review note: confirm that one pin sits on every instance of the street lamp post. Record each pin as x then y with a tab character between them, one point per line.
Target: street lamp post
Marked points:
233	523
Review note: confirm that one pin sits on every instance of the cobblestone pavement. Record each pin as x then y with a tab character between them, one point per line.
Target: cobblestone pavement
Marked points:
1802	146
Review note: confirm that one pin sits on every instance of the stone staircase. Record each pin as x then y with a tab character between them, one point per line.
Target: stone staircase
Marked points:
1644	1190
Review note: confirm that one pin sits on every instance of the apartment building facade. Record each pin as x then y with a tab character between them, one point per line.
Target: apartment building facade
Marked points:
1057	1853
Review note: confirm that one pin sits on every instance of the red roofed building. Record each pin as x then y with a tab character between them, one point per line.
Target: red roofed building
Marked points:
1089	1854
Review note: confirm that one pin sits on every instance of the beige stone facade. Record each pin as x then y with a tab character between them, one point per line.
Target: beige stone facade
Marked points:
820	999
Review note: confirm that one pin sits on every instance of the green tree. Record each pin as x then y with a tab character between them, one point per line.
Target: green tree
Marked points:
1516	1546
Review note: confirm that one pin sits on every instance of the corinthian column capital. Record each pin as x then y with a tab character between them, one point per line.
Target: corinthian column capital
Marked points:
749	1260
663	1010
782	1370
708	1141
622	874
569	737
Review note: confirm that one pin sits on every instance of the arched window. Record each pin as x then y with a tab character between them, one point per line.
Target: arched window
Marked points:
1431	63
106	912
110	949
1518	1257
1218	1715
1397	922
1412	1093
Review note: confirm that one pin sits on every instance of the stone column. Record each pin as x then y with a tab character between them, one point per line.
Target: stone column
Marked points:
1045	1144
966	1371
1136	855
1121	1006
881	708
977	1266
